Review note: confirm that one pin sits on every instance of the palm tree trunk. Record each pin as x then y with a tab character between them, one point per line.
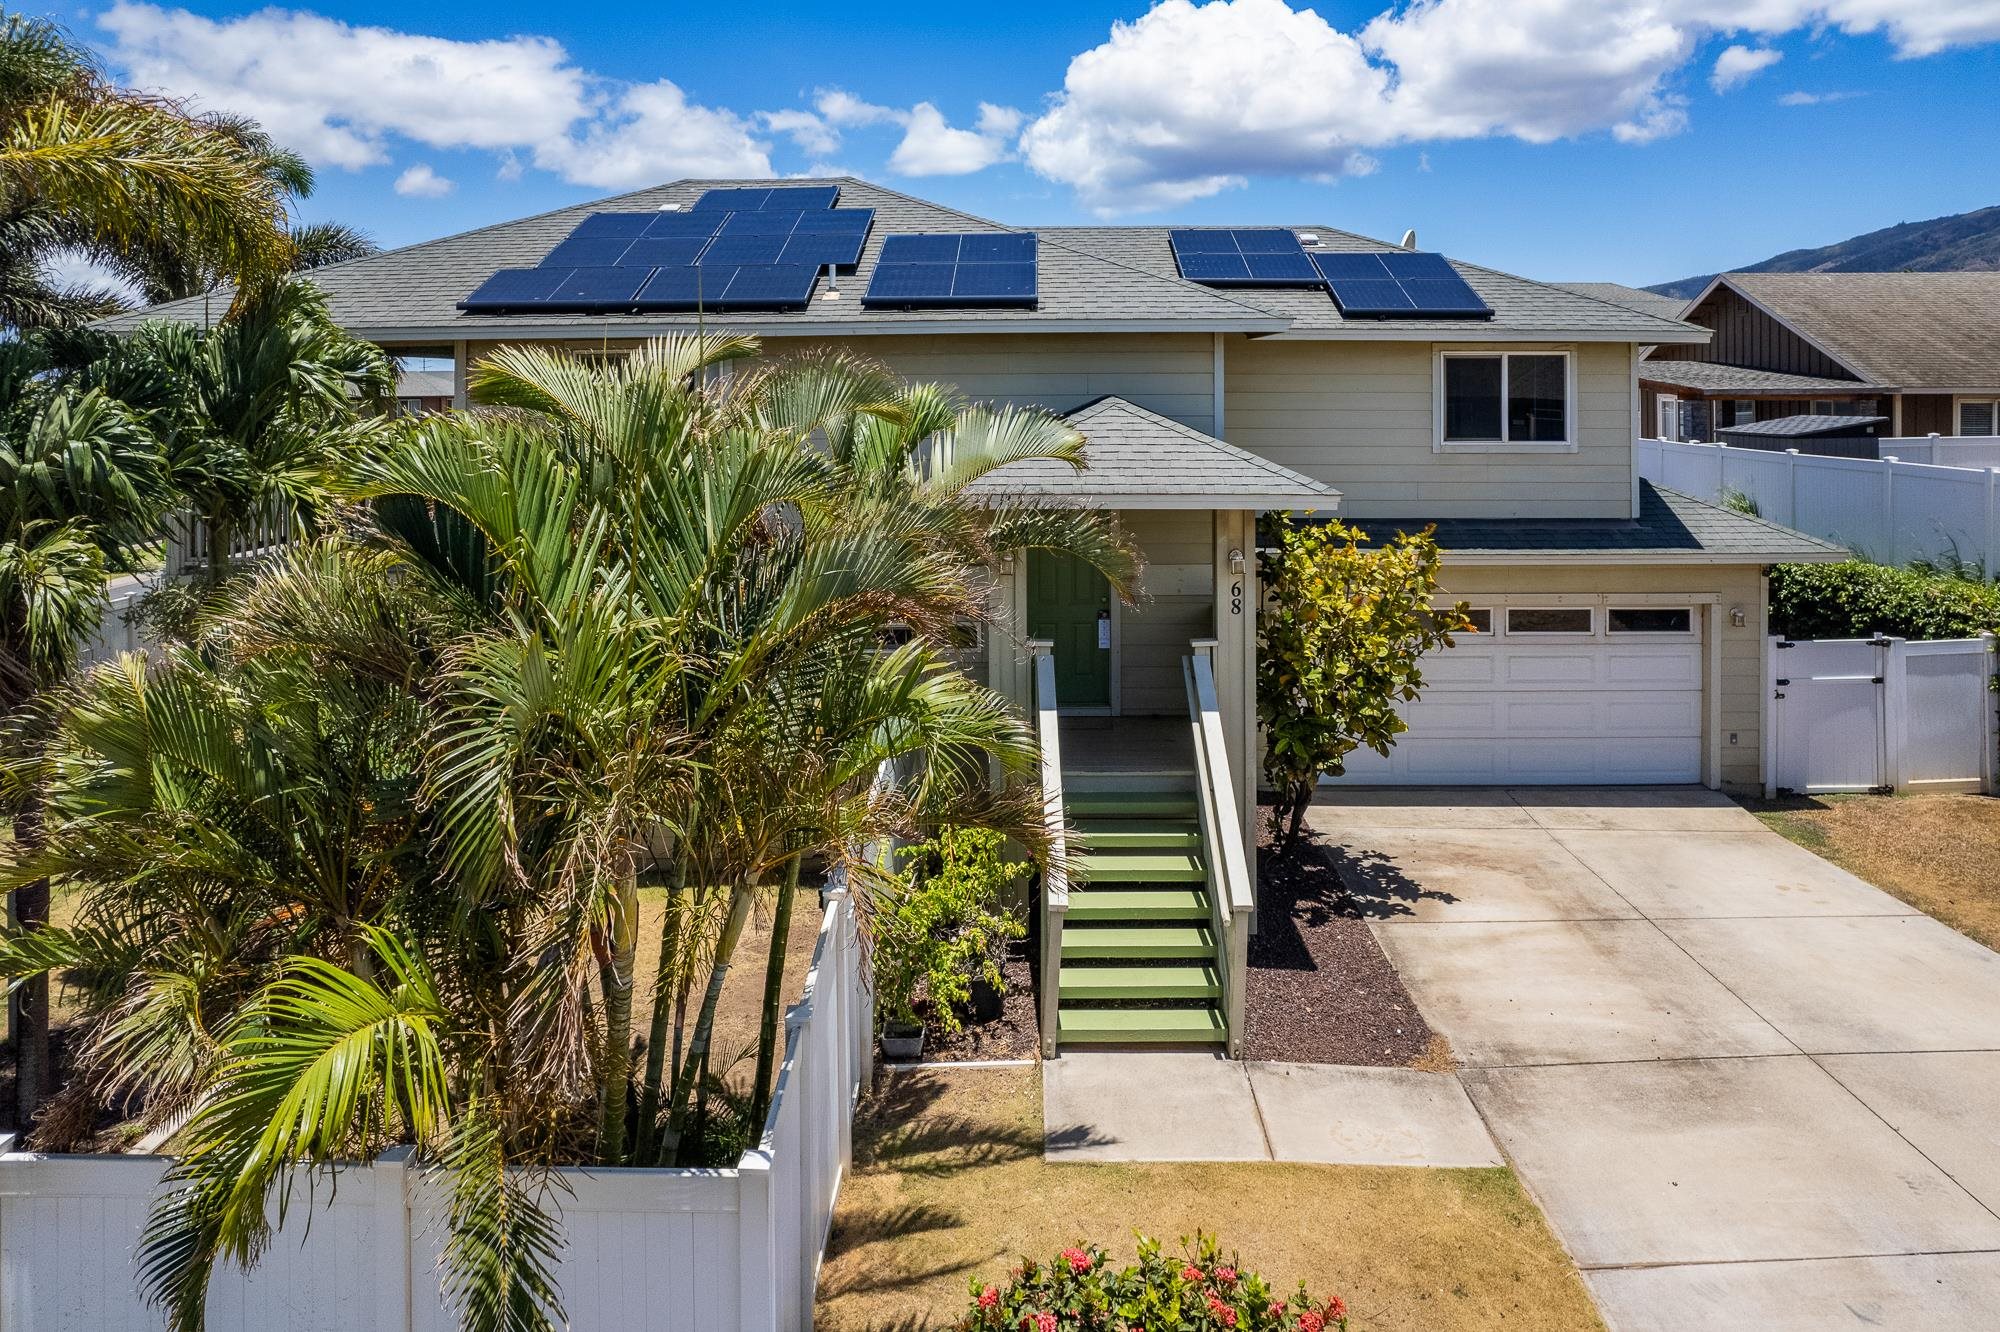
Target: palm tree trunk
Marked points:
704	1025
774	986
616	1076
656	1035
28	1009
220	535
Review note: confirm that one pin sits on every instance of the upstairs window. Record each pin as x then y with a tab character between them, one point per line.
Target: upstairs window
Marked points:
1975	417
1505	402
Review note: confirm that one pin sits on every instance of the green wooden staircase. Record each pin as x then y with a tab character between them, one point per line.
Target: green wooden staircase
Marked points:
1139	962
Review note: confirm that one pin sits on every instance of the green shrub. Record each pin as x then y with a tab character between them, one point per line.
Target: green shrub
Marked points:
1078	1291
1854	599
942	923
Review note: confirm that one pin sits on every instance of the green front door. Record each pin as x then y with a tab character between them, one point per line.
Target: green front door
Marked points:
1070	603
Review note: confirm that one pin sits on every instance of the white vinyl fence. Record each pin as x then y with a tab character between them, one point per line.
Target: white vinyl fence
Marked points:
731	1250
1882	714
114	633
1885	510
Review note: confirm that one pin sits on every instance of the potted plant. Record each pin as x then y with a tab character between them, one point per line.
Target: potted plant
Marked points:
941	935
902	952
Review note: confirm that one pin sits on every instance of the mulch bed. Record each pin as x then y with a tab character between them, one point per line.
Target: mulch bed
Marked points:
1319	989
1014	1034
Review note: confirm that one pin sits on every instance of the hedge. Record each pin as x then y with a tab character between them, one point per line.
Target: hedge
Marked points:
1855	599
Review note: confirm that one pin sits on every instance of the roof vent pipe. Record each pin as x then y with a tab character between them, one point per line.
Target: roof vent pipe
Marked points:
832	284
1410	239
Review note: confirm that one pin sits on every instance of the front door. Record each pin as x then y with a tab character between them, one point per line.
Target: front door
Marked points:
1069	603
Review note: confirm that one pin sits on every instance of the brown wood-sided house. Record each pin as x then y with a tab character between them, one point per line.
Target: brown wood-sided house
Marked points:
1922	349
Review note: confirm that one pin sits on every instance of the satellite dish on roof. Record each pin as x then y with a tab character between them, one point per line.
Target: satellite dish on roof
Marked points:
1410	239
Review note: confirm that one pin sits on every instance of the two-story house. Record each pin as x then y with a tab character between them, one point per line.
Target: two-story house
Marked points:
1216	373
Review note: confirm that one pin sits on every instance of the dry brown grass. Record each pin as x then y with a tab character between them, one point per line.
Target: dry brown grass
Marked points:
949	1182
1939	853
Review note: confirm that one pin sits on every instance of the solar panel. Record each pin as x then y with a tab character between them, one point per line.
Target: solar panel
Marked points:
587	252
835	221
684	288
819	250
613	224
736	250
768	222
590	290
702	225
513	288
769	287
662	252
745	199
1244	257
976	269
1398	284
724	287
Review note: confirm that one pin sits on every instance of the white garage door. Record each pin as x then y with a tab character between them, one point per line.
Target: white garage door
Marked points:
1552	695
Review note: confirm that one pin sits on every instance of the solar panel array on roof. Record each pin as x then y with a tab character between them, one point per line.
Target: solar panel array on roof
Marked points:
746	256
946	270
1399	284
753	199
1242	257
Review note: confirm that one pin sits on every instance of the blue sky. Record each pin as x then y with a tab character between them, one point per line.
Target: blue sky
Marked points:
1627	140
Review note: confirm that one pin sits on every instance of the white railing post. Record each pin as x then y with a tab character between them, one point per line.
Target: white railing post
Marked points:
1896	714
1989	675
1232	895
756	1245
1055	874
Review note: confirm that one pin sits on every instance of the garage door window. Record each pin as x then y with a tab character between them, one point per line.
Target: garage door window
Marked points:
1549	620
1650	620
1481	620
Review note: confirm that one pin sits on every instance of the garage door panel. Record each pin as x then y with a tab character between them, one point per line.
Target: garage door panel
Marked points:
1516	711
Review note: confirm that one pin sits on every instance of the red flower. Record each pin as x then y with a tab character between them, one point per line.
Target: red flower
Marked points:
1277	1309
1310	1322
1190	1273
1079	1261
1225	1275
1336	1307
1046	1322
988	1298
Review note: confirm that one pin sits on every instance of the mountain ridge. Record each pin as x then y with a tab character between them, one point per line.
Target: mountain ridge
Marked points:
1958	242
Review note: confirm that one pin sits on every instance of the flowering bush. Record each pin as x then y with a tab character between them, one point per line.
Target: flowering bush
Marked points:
1197	1291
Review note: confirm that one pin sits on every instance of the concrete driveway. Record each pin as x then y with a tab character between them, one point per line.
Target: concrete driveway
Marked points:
1750	1090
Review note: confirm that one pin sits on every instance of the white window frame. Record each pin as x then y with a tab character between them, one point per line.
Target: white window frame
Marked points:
1958	406
1439	444
1689	633
1593	612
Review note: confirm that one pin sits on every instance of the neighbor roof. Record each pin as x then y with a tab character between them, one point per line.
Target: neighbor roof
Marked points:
1714	377
1090	279
1671	528
1136	459
1632	298
1935	332
425	384
1795	427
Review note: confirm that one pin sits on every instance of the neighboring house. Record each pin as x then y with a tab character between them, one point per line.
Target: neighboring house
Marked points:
1826	436
1619	628
419	391
1922	349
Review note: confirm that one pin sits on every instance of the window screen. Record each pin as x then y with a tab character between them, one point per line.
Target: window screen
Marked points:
1650	620
1975	418
1472	397
1548	620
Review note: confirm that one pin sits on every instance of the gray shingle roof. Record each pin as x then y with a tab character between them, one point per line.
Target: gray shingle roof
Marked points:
1632	298
1136	459
1090	278
1520	305
425	384
1796	427
1670	527
1713	377
1927	331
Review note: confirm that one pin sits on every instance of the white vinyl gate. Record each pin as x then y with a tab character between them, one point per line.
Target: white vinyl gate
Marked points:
1882	714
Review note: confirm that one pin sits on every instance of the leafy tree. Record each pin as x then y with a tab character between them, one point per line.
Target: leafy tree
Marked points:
1340	638
123	177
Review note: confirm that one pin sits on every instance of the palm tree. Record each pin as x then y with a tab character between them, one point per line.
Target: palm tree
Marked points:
118	176
81	481
266	407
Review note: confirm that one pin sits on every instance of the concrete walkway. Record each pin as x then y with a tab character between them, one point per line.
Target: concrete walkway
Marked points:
1170	1106
1750	1090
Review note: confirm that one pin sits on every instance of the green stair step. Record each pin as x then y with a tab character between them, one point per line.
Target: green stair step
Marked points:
1137	904
1129	804
1137	941
1197	981
1166	1026
1138	834
1140	867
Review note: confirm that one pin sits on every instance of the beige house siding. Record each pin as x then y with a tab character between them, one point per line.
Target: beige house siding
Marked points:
1740	682
1360	416
1176	604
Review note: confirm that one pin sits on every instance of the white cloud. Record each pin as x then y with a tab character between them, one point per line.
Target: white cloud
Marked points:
810	132
421	182
843	108
932	147
342	94
1816	99
1737	65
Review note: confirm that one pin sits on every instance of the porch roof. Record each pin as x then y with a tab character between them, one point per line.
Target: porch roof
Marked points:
1136	459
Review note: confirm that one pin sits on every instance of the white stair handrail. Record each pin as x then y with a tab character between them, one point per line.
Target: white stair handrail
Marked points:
1055	873
1230	889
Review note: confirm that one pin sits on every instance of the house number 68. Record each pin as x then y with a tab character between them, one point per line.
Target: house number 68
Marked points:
1236	598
